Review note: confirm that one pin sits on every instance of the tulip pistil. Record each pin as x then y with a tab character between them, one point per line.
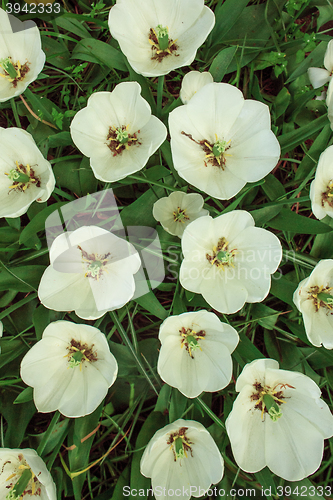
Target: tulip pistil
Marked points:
14	73
215	153
180	444
222	257
94	263
327	196
119	139
321	297
190	339
22	177
24	483
79	353
179	215
162	46
268	400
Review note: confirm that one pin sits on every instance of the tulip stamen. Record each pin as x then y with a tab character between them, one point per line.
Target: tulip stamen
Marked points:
23	177
14	72
321	297
222	257
26	482
79	353
180	444
119	139
95	264
190	339
269	400
215	153
179	215
327	196
162	46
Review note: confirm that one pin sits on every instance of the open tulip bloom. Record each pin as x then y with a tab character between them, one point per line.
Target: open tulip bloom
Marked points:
24	476
321	190
117	132
228	260
158	36
91	272
176	211
278	420
21	56
319	76
182	458
192	83
219	141
314	299
71	369
196	352
25	175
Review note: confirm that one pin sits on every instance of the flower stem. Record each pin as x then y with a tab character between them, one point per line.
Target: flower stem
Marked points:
16	116
159	95
210	413
127	342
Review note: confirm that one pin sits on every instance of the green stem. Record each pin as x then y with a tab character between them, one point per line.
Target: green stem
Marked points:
126	340
159	95
210	413
16	116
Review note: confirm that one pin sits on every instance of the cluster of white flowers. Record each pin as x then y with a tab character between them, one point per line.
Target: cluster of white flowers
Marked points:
219	142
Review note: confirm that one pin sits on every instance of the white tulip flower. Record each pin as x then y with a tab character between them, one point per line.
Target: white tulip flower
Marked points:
278	420
91	272
21	55
176	211
313	298
319	76
192	82
24	476
196	352
228	260
157	36
25	175
71	369
219	141
117	132
321	189
182	459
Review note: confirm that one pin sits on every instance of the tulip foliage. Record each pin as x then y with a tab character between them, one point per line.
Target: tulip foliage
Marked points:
166	263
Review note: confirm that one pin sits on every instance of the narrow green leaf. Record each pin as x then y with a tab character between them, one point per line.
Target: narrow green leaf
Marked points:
38	222
292	139
287	220
221	62
99	52
283	289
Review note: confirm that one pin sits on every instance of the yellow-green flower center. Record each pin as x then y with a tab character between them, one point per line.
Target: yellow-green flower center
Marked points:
80	353
180	444
22	482
190	339
180	215
162	45
13	72
95	264
269	400
22	177
222	257
321	297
